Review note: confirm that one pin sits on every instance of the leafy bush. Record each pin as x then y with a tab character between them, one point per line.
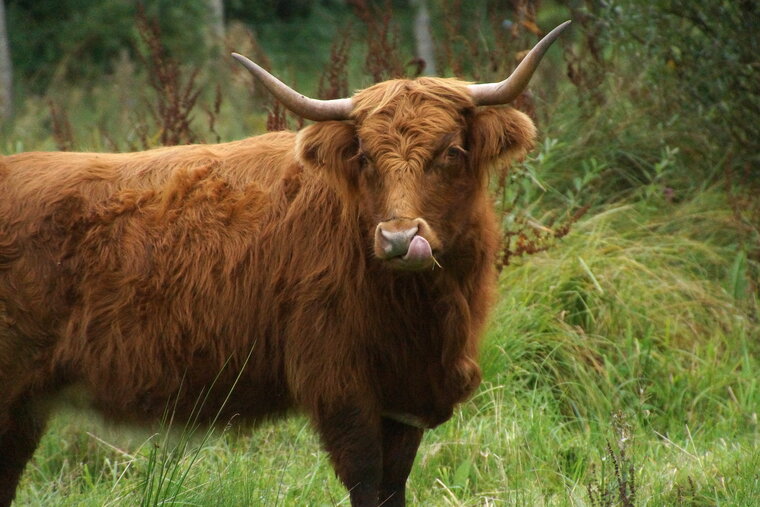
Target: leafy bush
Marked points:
702	61
79	40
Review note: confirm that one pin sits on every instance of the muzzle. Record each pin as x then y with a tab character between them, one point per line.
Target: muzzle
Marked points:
405	243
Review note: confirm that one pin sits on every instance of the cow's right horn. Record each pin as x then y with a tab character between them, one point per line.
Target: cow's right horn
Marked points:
311	109
504	92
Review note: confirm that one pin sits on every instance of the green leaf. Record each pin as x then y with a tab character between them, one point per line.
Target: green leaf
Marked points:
738	276
462	474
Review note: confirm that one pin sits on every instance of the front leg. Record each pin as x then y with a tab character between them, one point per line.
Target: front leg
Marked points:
351	434
400	443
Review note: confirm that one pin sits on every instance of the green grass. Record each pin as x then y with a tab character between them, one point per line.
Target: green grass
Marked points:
628	335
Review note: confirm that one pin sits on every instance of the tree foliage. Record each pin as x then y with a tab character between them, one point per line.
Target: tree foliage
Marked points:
704	58
78	40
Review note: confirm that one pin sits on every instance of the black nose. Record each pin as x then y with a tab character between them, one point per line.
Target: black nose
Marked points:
396	242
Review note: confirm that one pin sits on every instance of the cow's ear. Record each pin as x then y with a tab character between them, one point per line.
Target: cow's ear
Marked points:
498	135
331	147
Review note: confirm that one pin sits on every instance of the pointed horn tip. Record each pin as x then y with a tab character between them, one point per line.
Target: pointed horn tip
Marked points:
245	61
237	56
253	67
557	30
311	109
504	92
554	34
548	39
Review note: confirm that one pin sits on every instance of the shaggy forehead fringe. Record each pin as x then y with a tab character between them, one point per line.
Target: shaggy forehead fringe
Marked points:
402	122
444	92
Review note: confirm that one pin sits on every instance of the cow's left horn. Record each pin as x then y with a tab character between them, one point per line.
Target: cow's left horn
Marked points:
311	109
504	92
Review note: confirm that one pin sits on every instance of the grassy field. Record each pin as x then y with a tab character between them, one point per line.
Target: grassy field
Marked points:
621	366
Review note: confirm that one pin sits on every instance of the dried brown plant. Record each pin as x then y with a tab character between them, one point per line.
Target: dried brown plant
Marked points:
528	237
616	487
333	83
61	126
176	94
586	64
383	60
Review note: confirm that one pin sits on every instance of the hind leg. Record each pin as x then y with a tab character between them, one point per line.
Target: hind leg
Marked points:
21	428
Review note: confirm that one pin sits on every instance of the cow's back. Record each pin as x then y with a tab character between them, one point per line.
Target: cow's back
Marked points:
90	242
34	184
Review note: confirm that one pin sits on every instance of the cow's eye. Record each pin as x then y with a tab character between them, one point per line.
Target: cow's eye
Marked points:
454	153
366	165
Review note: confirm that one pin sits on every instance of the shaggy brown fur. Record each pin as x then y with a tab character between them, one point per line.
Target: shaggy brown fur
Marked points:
155	279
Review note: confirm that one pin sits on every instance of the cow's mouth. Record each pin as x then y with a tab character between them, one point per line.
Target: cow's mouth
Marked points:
419	250
406	244
419	256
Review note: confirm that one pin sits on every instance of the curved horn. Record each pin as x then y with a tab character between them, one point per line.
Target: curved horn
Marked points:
504	92
311	109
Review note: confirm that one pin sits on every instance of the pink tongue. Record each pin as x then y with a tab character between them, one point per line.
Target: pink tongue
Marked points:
419	250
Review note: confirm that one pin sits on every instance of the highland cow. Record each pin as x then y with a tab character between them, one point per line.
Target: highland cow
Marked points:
344	271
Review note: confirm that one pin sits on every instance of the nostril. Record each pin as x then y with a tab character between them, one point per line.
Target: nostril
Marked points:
396	243
395	236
